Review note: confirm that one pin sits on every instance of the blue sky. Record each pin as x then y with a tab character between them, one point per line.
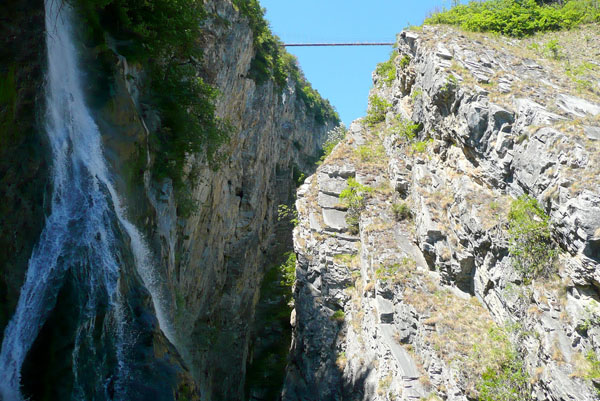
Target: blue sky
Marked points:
343	74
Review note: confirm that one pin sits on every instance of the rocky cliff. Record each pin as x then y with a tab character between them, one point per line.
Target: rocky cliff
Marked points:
409	284
213	262
209	263
23	146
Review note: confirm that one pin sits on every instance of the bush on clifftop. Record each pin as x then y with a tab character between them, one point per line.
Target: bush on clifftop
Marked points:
519	18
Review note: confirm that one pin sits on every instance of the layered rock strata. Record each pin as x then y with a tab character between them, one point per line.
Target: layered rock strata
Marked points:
418	307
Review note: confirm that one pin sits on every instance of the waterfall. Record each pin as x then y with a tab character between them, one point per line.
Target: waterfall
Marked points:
82	232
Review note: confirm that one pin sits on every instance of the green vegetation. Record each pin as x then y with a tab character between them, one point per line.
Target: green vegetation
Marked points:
416	93
519	18
421	146
396	272
582	75
163	36
338	315
289	213
387	69
297	175
334	137
350	260
554	49
530	238
406	129
505	379
593	373
287	273
404	61
370	152
451	84
377	109
269	61
401	211
354	198
266	369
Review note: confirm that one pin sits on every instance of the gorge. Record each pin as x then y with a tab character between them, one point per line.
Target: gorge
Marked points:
184	218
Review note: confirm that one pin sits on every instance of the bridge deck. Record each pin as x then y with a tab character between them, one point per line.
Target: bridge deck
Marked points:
340	44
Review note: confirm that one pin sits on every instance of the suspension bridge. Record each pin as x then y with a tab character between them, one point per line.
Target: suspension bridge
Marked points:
339	44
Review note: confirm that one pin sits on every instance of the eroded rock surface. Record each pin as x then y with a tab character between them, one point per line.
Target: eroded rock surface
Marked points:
408	308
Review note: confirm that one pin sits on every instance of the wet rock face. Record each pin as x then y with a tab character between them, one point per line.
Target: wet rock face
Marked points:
211	263
214	261
23	147
397	311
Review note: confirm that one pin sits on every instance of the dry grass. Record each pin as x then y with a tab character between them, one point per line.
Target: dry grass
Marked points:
464	335
576	70
341	361
348	260
557	355
397	273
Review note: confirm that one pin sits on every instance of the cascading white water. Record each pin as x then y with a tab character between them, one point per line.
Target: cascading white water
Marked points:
79	234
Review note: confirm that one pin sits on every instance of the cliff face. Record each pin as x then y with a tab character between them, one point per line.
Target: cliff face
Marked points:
208	266
213	262
424	296
216	259
23	146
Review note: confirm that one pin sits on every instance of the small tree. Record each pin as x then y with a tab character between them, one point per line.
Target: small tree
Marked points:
353	197
530	238
377	109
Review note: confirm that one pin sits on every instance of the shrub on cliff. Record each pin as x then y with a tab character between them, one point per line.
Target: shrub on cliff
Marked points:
518	18
377	109
387	69
354	198
163	36
530	240
334	137
505	378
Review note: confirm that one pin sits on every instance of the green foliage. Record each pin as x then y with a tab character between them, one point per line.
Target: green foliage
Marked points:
354	198
298	176
287	271
401	211
289	213
266	368
404	61
387	69
594	372
509	383
421	146
163	35
581	75
377	109
405	129
396	272
338	315
334	137
518	18
530	238
415	94
452	82
554	49
268	61
503	376
370	152
322	109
